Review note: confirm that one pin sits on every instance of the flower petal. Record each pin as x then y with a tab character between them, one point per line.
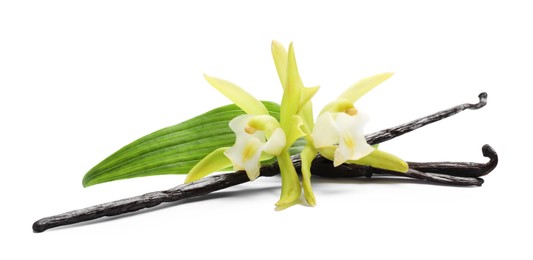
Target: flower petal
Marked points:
306	113
357	90
339	105
307	156
352	142
239	96
306	107
215	161
239	123
325	132
264	123
290	101
279	53
245	154
296	130
307	94
290	183
362	148
342	154
252	165
328	152
383	160
276	142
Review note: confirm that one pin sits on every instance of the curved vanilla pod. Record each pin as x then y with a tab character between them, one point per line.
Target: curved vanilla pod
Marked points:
450	173
460	169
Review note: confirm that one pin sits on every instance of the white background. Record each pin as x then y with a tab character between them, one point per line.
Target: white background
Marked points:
78	80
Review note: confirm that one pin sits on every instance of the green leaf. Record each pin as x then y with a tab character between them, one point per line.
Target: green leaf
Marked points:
175	149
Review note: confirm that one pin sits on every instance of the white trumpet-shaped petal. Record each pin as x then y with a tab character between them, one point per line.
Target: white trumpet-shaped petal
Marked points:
245	155
250	143
276	142
343	132
325	132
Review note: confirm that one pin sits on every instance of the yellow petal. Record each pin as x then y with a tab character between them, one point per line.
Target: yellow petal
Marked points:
308	122
383	160
307	116
264	123
215	161
357	90
307	156
306	105
339	105
328	152
290	101
308	93
290	184
296	131
280	60
239	96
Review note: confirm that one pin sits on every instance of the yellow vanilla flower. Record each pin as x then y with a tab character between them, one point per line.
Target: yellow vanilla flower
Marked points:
259	136
300	98
338	134
251	142
342	131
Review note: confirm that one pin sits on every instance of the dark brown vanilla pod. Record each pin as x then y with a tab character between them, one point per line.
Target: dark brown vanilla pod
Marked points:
148	200
393	132
450	173
461	169
321	167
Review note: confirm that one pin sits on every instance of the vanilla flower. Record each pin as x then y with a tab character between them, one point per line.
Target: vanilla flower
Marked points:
344	132
259	136
339	131
251	142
